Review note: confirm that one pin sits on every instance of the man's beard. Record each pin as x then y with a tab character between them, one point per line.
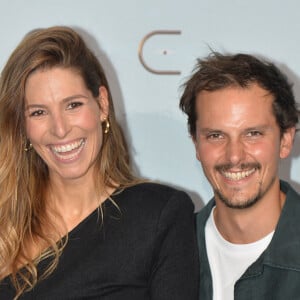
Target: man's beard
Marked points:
242	204
246	202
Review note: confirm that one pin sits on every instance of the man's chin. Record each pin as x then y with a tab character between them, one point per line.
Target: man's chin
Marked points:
236	202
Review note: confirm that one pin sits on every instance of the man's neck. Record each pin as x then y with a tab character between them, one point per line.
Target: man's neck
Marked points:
242	226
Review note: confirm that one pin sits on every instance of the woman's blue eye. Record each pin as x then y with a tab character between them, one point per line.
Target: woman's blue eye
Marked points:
74	105
37	113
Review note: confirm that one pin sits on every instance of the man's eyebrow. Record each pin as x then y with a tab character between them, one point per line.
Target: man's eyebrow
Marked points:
258	127
206	130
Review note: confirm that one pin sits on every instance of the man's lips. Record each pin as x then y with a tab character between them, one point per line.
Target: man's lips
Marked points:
238	175
240	172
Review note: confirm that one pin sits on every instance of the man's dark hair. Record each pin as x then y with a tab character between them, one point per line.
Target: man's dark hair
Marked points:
219	71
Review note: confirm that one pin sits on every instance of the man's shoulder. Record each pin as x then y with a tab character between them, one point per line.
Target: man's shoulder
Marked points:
288	190
204	213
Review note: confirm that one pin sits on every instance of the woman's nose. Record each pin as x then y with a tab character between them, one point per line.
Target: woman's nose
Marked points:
60	125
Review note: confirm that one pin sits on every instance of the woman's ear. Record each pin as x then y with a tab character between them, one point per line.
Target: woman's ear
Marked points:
103	102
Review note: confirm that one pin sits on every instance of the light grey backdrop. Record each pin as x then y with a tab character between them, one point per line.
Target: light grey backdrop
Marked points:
146	103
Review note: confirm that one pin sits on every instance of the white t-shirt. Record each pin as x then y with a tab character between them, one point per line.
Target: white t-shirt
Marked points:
229	261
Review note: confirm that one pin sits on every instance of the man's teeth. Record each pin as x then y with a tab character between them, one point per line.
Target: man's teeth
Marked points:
68	147
238	175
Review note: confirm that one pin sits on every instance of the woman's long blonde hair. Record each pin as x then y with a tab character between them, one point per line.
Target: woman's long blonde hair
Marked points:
24	175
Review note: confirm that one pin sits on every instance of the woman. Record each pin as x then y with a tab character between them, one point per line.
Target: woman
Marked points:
75	223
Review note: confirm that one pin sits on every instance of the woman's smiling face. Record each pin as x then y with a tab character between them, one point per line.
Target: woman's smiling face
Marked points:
63	121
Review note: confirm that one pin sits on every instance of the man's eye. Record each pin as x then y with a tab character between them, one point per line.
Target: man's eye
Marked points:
214	136
254	133
73	105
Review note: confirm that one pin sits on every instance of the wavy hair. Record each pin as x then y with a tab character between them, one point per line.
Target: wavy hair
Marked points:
24	176
218	71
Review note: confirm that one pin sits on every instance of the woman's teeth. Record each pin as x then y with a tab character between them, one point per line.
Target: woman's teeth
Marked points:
68	147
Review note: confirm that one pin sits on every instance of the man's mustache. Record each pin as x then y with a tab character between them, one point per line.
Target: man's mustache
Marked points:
240	167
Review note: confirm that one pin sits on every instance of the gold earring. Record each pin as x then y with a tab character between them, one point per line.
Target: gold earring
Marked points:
107	126
28	146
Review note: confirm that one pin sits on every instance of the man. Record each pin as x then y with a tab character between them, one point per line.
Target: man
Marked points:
242	117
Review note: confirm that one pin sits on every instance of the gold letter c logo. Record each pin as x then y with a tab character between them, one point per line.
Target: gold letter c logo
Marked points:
140	52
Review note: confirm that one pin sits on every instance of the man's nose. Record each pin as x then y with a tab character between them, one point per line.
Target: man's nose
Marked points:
235	151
